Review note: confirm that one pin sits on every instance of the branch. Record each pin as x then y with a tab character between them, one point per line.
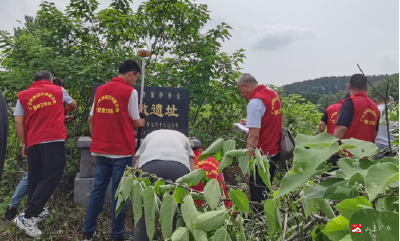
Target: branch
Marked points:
319	218
305	228
386	107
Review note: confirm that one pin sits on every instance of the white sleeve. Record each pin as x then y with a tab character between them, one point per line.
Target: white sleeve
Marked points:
133	106
91	111
255	111
19	110
189	148
66	98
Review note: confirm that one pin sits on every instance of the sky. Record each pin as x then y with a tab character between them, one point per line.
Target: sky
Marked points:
292	40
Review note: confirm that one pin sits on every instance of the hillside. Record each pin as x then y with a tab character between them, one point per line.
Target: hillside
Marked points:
324	85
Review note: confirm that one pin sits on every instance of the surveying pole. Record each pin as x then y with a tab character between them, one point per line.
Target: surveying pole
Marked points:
142	53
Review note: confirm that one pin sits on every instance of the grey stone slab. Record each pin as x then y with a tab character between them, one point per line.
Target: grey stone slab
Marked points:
84	142
82	189
87	164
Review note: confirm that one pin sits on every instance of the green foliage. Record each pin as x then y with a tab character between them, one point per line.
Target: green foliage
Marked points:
167	212
389	85
212	193
149	210
337	228
240	200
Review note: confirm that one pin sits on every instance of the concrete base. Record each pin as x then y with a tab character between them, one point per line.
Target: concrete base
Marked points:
82	189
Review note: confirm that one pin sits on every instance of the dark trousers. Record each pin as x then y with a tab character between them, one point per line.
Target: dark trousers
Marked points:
46	163
170	170
258	187
107	169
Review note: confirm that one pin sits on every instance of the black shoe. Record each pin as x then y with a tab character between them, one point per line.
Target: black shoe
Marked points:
9	214
87	237
120	238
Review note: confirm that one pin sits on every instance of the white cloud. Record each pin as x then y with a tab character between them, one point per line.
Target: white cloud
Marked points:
389	61
278	36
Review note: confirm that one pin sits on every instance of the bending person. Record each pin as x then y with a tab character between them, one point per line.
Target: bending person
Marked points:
166	154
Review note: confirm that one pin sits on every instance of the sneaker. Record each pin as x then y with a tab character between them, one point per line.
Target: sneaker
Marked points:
87	236
28	225
41	217
9	214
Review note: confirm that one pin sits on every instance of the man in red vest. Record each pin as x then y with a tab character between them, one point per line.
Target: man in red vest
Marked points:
330	116
359	115
264	120
113	116
39	122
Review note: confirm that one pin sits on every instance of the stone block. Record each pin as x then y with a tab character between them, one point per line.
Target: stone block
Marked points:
82	189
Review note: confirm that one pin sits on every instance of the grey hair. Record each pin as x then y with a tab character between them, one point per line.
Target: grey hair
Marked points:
247	79
42	75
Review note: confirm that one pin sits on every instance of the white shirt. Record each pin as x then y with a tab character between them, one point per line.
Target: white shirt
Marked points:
133	113
255	111
166	145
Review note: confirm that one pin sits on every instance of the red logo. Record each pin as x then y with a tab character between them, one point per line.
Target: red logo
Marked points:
356	228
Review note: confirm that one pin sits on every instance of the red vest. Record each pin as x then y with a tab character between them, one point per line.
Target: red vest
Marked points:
333	113
44	112
365	118
271	122
113	131
210	167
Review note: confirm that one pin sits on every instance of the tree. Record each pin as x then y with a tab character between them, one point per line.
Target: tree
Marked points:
390	84
85	44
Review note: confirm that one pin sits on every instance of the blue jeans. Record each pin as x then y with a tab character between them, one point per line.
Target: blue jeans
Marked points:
105	169
20	192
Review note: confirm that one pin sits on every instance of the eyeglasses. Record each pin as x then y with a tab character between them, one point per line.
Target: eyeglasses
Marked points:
136	74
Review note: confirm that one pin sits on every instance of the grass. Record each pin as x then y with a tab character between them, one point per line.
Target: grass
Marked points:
66	220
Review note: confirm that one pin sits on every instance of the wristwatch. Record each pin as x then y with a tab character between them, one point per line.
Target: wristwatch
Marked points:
22	145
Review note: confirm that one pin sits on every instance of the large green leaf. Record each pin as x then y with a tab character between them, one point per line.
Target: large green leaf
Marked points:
167	212
180	193
180	234
199	235
228	145
157	185
212	193
225	162
378	177
318	191
337	228
362	149
220	235
236	153
265	174
339	193
188	211
326	208
126	187
192	178
375	225
271	214
210	221
137	201
211	150
239	199
349	206
244	164
356	178
350	167
149	210
307	160
120	204
321	140
258	160
390	159
291	181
